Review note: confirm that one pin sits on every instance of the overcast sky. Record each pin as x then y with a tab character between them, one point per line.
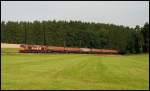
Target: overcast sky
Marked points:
128	13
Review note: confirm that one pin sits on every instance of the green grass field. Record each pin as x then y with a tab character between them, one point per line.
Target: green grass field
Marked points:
74	71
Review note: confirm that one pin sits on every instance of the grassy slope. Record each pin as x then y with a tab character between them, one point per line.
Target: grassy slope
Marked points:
9	50
74	71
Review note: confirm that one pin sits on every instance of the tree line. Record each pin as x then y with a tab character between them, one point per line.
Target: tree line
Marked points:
77	34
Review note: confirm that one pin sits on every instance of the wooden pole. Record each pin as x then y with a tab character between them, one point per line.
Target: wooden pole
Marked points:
44	35
25	34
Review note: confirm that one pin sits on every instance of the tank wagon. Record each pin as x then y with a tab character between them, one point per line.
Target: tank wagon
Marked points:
54	49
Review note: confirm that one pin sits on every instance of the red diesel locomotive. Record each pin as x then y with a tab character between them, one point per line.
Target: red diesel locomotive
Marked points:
53	49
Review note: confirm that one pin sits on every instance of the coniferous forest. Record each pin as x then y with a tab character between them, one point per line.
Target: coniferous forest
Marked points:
77	34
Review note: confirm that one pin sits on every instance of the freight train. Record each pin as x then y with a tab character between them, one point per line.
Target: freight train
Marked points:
54	49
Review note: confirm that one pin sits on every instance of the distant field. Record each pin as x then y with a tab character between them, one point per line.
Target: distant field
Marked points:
6	45
73	71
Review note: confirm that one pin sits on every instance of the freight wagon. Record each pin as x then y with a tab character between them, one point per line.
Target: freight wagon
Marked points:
54	49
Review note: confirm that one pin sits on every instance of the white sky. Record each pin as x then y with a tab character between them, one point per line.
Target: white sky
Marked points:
128	13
